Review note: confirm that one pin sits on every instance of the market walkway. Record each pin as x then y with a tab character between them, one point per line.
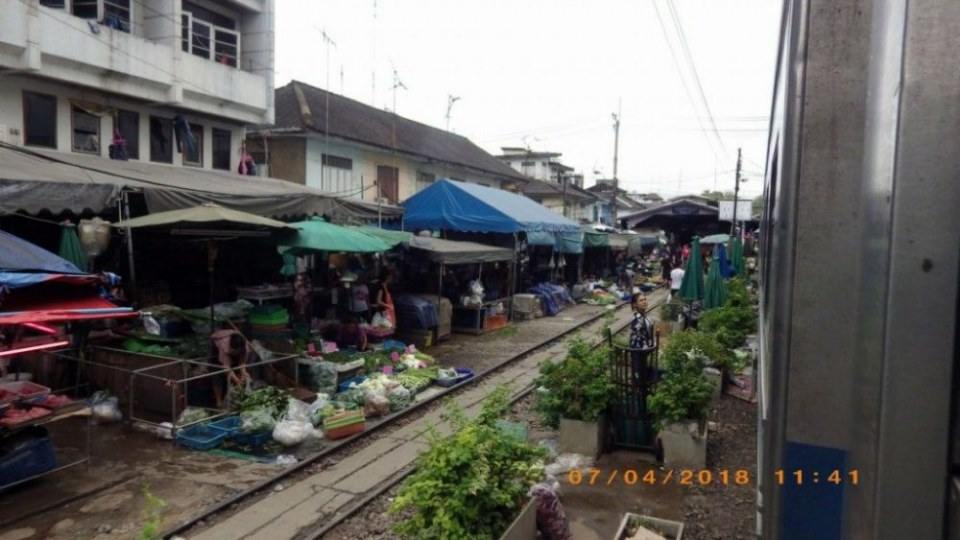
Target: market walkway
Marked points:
284	514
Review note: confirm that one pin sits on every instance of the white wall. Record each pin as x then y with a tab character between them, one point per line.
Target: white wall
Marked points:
147	64
12	130
366	160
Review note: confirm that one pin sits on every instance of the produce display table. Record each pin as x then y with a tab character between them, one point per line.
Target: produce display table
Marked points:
479	322
265	293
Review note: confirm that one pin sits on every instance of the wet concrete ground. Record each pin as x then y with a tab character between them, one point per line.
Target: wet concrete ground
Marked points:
127	461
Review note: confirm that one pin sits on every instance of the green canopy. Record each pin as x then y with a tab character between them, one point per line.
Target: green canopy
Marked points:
70	248
391	238
715	291
692	286
596	239
715	239
315	234
736	256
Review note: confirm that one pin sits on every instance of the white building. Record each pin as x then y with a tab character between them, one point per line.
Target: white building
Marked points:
557	186
75	73
545	166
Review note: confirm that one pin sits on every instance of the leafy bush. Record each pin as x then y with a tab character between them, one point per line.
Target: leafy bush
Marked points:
470	485
578	387
683	392
674	353
671	310
731	322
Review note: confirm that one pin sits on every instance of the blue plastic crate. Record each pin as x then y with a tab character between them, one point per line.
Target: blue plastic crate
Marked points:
228	425
201	437
253	439
25	454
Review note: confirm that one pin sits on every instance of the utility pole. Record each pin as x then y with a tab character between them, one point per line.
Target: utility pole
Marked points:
616	182
564	180
736	195
451	99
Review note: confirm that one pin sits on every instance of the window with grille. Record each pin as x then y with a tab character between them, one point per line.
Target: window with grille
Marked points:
128	125
194	156
39	120
113	13
60	4
337	177
202	36
221	149
86	131
161	140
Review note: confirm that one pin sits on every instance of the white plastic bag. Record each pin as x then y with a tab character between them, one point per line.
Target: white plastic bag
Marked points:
376	404
292	432
297	411
107	411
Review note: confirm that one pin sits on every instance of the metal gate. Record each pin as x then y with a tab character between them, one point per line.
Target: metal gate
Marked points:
634	372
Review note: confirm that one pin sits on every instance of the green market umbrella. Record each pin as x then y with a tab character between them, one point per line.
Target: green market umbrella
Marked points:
70	248
692	286
715	291
318	235
736	257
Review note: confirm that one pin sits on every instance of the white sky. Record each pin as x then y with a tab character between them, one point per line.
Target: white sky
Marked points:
549	73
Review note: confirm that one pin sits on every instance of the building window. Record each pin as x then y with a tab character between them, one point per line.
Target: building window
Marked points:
86	131
424	180
128	126
161	140
39	120
87	9
221	149
60	4
116	14
388	181
209	35
194	157
336	176
337	162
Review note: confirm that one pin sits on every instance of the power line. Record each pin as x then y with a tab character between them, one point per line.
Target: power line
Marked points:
683	80
696	76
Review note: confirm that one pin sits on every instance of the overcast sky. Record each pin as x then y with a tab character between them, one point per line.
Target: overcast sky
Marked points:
548	74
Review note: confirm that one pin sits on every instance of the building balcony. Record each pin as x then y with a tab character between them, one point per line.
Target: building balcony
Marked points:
142	59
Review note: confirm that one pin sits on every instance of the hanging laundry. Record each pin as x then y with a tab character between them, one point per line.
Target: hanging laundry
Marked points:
118	148
186	143
248	166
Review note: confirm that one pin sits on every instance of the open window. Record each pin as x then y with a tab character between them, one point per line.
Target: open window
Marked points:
161	140
85	128
39	120
128	125
221	149
194	156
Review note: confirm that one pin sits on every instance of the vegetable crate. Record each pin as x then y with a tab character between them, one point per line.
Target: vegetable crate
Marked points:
254	439
344	424
462	375
228	425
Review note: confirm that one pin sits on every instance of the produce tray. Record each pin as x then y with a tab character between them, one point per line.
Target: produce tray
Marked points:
25	391
201	437
345	384
462	375
253	439
228	425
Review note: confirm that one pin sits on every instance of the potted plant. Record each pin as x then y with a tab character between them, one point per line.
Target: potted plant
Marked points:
679	404
473	484
573	395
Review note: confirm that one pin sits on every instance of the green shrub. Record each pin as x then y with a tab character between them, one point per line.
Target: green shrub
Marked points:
578	387
680	343
152	515
469	485
731	322
683	393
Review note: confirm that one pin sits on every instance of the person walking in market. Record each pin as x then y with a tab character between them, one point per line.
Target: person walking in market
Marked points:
384	301
642	340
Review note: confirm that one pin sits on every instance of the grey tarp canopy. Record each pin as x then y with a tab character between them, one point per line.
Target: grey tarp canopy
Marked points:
37	180
451	252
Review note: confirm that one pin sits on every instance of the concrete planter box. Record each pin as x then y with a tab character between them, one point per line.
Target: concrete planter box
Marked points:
716	379
684	445
579	437
671	530
525	526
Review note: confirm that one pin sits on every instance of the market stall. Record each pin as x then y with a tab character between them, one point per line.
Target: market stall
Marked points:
473	310
39	293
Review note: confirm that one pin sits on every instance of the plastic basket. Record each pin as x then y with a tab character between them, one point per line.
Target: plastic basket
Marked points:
25	391
201	437
253	439
28	453
228	425
462	375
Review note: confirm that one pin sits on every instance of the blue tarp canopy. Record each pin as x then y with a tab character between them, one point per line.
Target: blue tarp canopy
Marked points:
23	264
459	206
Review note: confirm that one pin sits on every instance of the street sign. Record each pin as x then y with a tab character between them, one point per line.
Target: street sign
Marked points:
743	210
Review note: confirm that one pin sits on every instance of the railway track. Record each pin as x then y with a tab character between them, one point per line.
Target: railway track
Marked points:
301	470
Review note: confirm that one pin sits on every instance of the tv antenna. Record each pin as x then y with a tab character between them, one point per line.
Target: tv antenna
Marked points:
397	83
451	99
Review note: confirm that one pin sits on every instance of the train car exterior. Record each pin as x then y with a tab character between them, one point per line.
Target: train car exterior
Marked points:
859	273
